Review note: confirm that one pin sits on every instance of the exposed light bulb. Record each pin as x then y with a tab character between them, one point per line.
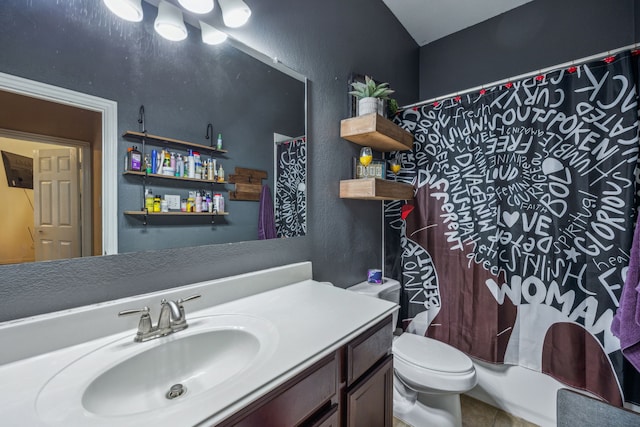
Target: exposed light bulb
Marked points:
169	23
129	10
197	6
235	13
211	35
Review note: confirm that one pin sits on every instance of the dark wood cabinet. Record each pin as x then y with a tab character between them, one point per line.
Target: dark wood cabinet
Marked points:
370	402
351	387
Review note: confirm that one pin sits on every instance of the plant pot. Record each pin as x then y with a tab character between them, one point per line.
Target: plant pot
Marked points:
370	105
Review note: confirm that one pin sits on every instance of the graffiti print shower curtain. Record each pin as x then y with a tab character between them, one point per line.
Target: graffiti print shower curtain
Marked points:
291	192
517	245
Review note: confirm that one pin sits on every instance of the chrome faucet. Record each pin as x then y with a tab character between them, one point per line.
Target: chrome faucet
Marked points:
171	319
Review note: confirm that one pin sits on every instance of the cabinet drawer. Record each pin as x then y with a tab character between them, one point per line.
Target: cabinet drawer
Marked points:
331	419
364	351
295	401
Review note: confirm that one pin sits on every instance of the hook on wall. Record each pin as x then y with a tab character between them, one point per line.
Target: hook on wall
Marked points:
142	126
209	134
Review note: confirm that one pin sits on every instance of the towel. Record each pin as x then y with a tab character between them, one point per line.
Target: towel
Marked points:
625	324
266	220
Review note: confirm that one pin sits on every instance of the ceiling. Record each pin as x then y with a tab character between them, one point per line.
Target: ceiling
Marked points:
429	20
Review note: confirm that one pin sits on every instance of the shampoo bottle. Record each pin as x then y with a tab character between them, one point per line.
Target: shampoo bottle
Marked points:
219	141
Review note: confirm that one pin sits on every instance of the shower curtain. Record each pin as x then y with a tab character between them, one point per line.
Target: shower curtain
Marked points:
290	188
516	245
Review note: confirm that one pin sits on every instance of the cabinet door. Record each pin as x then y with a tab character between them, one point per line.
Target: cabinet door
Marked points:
370	402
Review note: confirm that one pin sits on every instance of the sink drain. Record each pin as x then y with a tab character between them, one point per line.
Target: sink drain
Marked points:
176	391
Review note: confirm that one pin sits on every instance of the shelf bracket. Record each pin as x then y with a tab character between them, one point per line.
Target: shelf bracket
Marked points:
141	124
209	134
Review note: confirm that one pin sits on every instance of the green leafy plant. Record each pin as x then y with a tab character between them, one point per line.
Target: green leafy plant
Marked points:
370	89
392	107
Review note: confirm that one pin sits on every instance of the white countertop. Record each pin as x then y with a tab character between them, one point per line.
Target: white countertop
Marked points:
311	319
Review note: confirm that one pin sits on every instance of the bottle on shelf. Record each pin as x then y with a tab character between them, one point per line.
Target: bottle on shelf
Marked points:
192	165
154	161
220	174
133	160
148	200
198	207
147	163
157	203
198	165
219	144
179	166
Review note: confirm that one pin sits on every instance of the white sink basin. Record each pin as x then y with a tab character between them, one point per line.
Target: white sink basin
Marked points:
128	379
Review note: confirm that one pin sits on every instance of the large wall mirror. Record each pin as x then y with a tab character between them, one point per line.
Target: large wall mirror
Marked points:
256	104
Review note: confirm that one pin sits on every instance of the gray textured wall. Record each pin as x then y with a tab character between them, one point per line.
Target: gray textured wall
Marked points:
325	41
539	34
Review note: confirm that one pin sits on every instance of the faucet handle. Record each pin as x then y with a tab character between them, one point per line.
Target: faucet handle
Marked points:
189	298
144	310
145	327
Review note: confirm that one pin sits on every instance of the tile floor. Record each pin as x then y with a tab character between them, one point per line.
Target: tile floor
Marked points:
478	414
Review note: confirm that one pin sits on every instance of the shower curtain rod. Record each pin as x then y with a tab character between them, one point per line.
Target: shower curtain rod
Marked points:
524	76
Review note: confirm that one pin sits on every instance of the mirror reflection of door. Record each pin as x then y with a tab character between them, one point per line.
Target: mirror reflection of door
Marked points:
25	206
56	204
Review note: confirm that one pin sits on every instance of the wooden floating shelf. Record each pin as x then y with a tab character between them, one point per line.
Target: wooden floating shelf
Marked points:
162	140
375	131
142	213
375	189
178	178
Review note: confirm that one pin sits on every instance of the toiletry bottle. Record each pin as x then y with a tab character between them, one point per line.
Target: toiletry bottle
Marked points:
198	164
220	174
185	166
219	141
160	162
179	166
148	200
205	204
164	206
192	165
147	164
156	204
127	158
172	161
210	167
209	203
198	202
216	202
154	161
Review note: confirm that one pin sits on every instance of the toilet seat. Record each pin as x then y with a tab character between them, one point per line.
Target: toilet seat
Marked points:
427	365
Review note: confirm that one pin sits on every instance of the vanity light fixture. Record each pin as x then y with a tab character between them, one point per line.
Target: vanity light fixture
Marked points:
129	10
197	6
235	13
169	23
211	35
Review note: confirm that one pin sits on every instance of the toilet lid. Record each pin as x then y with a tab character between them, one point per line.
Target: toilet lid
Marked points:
431	354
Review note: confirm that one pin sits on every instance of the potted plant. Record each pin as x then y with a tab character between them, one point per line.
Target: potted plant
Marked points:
370	95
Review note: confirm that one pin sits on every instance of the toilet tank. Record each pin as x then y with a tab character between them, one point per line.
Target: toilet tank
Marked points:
389	290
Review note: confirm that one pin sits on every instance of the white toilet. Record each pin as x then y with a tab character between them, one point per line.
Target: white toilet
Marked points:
429	375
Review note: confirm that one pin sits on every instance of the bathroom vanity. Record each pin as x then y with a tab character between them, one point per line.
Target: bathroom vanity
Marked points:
270	348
